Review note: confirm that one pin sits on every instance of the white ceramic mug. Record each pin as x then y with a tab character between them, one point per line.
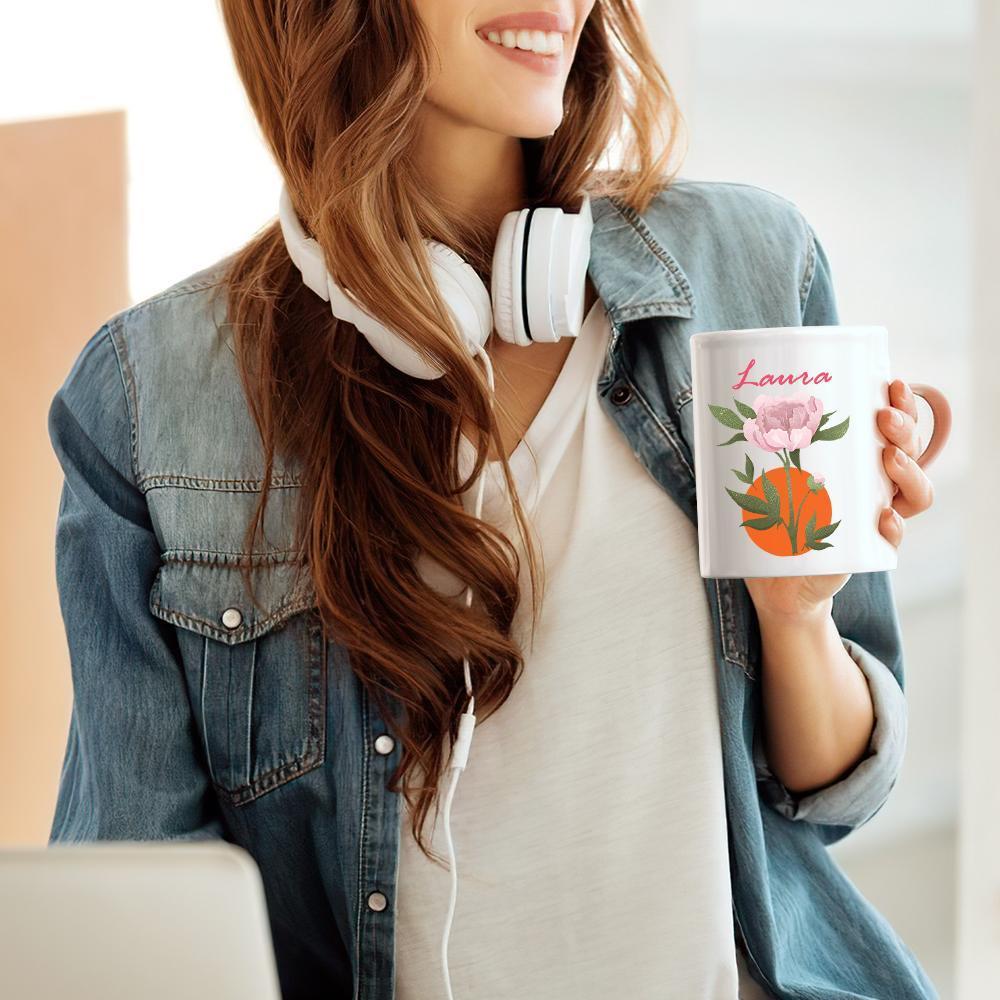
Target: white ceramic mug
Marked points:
788	454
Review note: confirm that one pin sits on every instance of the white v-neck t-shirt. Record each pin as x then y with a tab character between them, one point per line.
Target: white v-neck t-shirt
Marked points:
589	823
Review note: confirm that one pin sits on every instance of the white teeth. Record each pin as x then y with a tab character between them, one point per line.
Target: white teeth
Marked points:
542	42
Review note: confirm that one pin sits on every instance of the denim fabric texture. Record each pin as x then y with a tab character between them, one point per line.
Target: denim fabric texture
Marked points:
197	714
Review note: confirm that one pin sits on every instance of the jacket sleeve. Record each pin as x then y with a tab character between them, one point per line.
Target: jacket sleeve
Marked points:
132	768
864	611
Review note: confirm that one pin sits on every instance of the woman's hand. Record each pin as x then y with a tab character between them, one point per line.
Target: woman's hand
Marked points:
818	709
792	597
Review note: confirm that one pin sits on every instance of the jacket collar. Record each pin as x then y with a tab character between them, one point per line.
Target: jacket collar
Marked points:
634	273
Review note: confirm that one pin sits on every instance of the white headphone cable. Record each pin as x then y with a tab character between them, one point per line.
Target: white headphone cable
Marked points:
466	725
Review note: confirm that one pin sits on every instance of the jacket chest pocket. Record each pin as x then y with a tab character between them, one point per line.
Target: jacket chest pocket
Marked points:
257	675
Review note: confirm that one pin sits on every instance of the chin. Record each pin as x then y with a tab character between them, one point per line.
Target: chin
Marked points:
528	126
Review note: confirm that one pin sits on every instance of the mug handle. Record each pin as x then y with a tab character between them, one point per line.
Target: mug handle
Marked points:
941	409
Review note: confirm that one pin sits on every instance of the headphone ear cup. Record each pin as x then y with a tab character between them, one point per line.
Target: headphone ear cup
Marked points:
504	280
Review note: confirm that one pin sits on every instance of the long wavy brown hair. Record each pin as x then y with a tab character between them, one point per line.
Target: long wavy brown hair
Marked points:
336	86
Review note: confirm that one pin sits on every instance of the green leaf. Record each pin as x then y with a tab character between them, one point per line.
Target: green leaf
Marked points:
820	545
742	477
825	418
726	416
812	485
733	439
828	530
794	456
810	530
832	433
772	496
749	469
760	523
747	411
749	502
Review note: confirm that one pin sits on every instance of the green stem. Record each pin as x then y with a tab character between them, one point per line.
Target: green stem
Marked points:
799	511
792	529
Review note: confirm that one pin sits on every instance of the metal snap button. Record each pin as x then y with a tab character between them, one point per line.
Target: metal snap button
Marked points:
232	618
384	744
377	901
621	394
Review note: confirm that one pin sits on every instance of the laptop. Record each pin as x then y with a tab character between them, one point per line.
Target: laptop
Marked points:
123	920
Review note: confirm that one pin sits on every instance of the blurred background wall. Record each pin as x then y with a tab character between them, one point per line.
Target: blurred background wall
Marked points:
860	113
62	271
979	816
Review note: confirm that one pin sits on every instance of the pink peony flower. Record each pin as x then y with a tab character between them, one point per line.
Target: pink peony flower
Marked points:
783	421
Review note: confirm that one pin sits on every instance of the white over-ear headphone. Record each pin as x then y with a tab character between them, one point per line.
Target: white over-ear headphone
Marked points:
540	262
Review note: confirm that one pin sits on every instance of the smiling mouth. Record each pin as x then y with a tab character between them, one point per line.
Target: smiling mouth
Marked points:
542	43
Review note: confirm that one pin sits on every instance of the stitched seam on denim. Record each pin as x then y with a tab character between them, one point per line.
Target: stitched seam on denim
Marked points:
363	831
115	335
623	311
204	719
176	617
169	480
179	554
647	302
309	652
189	557
166	295
647	309
746	952
250	686
608	361
639	225
274	778
735	659
270	780
224	562
659	423
805	287
318	691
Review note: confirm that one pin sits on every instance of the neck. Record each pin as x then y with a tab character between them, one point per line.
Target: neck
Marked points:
472	171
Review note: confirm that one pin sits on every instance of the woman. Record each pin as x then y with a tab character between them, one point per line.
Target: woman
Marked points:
267	529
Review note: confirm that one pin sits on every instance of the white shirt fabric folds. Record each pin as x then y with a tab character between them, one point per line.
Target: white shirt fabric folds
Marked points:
589	824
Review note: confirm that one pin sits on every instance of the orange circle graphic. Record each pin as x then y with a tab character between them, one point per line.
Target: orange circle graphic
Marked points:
776	539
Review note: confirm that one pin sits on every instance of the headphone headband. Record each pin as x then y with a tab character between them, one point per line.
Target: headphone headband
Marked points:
306	253
537	286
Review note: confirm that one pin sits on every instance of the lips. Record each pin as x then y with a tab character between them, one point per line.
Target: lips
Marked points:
536	20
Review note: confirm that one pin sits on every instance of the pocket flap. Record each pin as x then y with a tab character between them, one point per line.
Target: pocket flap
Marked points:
212	599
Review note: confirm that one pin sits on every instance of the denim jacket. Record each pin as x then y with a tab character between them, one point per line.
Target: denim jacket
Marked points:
197	715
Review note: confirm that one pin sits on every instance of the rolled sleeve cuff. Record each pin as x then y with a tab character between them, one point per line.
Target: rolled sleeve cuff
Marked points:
854	799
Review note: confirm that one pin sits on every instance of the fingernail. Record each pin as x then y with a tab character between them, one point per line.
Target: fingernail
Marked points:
899	457
896	418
